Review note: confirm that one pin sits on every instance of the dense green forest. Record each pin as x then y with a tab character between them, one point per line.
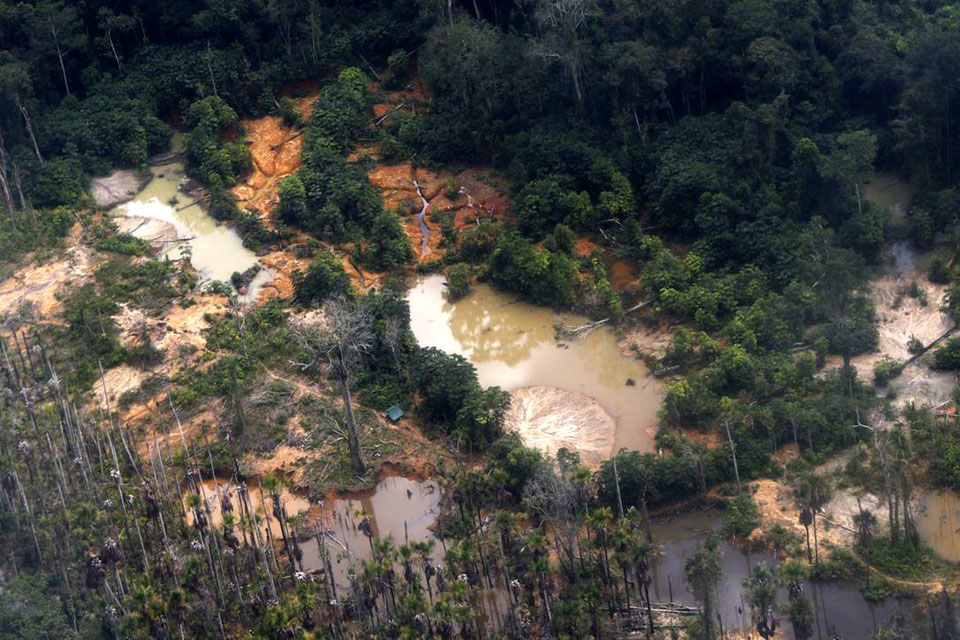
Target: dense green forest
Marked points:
721	147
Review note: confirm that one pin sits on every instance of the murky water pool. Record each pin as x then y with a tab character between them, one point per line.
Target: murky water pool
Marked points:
512	344
216	251
938	523
841	611
891	192
398	507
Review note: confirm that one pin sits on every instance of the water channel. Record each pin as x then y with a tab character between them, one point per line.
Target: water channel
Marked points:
512	345
840	609
215	250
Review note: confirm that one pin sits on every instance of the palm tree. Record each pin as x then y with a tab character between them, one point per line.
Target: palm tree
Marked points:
703	572
865	522
812	492
799	609
761	595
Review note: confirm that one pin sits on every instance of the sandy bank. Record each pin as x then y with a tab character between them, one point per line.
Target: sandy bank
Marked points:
548	418
118	187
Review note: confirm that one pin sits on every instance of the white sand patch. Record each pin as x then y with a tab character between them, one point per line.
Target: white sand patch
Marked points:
548	418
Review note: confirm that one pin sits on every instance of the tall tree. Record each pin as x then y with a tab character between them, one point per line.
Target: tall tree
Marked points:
760	591
112	26
56	29
341	338
15	83
703	572
561	24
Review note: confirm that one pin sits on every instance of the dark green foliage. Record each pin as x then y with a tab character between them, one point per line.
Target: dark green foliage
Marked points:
215	161
389	246
885	370
338	115
289	112
458	282
543	276
104	132
946	357
89	339
742	516
327	196
516	461
325	278
56	182
27	612
454	401
107	240
147	283
939	272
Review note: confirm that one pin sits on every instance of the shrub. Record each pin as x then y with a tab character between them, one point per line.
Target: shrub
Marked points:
885	370
947	356
742	516
325	277
939	273
458	282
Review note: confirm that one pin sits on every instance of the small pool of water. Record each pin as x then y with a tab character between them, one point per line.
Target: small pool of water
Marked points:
216	251
512	344
891	192
398	507
938	523
840	609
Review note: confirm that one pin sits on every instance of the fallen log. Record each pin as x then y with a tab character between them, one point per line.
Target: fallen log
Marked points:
567	331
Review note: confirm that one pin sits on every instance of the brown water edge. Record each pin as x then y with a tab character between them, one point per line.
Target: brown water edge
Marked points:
215	250
938	523
402	508
840	609
512	344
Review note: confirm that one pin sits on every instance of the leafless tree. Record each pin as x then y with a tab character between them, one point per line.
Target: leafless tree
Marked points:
559	23
551	495
340	339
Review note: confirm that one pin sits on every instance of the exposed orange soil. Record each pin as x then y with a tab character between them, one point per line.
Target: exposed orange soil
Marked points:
276	154
283	264
38	285
362	152
585	246
406	100
710	439
623	276
480	196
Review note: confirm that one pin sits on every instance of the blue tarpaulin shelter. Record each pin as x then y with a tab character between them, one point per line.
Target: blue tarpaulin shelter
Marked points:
394	413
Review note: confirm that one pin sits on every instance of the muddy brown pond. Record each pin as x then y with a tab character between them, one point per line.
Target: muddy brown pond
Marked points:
215	250
938	523
397	507
512	345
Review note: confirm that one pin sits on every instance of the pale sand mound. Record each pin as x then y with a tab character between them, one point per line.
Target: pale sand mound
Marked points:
159	233
38	285
116	188
547	418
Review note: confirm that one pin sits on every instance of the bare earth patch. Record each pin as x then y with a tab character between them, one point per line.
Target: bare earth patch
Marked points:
38	285
118	187
548	419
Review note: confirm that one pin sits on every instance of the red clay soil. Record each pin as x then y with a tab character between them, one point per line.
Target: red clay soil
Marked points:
480	195
276	154
623	276
585	246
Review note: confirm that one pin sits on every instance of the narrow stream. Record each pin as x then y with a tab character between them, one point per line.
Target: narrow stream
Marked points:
215	250
421	218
